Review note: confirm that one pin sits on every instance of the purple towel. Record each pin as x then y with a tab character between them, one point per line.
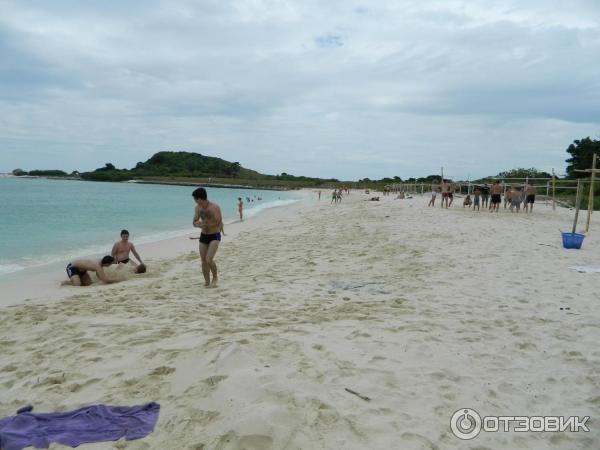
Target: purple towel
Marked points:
98	423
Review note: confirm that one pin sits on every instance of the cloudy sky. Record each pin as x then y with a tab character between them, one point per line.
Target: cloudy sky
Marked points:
343	89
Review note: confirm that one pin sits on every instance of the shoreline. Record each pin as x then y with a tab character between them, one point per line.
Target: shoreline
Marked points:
160	182
18	287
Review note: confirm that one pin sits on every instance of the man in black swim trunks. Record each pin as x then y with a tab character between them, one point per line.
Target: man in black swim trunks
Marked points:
121	249
208	218
530	197
78	271
485	195
496	196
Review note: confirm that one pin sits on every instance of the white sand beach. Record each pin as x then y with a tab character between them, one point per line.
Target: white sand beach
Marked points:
422	311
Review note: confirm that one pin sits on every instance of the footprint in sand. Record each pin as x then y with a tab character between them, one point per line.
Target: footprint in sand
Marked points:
231	441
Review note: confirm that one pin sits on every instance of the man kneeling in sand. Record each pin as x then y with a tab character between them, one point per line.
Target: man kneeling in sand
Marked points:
121	249
78	271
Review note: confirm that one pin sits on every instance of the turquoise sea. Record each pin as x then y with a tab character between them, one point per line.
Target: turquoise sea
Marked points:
47	221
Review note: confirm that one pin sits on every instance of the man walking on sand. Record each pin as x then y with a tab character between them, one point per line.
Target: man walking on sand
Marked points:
77	271
207	217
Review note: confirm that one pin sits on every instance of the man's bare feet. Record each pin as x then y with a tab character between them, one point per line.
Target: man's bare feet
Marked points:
213	283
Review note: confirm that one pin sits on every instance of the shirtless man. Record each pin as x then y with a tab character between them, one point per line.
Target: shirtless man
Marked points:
121	249
78	271
445	189
451	189
476	198
529	197
508	197
240	209
515	199
434	190
496	196
485	195
208	218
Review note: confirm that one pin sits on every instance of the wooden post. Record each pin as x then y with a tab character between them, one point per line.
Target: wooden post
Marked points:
553	191
591	196
577	201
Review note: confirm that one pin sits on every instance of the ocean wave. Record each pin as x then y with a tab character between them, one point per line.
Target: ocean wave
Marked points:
256	209
6	268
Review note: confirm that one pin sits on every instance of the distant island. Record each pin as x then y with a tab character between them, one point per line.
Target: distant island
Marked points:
187	168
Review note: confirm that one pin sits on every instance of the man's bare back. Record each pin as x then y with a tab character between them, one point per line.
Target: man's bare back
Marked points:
78	271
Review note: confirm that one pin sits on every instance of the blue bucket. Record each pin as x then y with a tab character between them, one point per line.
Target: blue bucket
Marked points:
572	240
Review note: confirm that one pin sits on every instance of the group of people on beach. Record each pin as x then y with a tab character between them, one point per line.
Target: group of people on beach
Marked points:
488	196
207	217
79	270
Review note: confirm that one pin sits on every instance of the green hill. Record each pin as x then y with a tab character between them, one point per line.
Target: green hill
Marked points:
173	165
187	167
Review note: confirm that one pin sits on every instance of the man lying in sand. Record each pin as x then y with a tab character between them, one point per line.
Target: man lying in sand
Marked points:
121	249
78	271
207	217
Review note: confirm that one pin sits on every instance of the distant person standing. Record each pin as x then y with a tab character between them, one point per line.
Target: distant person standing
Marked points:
208	218
434	190
485	195
334	196
121	249
496	196
515	199
476	198
507	197
319	195
529	197
241	208
445	189
451	189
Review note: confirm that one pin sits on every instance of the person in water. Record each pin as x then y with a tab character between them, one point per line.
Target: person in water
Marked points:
208	218
78	271
121	249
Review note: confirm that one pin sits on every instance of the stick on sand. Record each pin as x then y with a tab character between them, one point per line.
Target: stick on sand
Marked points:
364	397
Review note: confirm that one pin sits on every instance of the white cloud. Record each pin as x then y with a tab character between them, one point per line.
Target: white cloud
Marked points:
315	88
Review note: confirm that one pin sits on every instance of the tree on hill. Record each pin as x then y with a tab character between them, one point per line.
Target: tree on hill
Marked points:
524	173
581	152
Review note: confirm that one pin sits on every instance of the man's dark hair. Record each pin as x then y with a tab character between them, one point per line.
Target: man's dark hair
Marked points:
140	269
124	232
200	193
107	260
